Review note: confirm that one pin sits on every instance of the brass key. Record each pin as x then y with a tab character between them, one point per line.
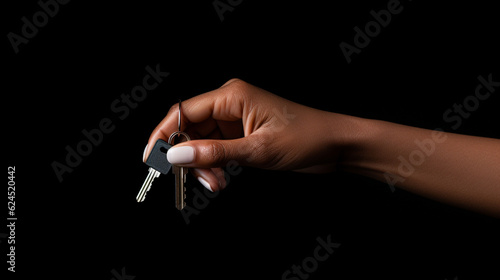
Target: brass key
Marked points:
180	175
180	189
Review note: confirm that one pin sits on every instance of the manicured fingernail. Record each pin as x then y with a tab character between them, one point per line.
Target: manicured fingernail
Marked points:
180	155
205	184
144	153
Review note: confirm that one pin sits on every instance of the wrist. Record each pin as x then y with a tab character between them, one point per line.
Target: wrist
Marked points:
358	142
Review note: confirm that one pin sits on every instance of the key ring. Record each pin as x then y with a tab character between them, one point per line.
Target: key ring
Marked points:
178	133
179	117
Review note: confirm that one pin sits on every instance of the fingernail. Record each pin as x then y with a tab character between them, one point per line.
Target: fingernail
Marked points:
144	153
205	184
180	155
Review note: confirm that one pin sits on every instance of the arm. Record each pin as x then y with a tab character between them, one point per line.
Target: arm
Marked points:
456	169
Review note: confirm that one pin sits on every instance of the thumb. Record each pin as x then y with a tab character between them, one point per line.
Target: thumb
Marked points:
212	153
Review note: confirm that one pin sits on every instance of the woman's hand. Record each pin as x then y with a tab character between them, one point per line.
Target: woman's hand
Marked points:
242	124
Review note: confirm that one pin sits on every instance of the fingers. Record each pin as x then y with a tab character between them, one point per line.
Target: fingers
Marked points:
226	103
211	178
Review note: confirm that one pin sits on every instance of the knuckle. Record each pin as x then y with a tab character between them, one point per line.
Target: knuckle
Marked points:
233	80
238	89
237	86
217	151
173	109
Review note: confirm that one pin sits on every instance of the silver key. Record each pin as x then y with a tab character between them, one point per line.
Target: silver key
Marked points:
146	186
158	163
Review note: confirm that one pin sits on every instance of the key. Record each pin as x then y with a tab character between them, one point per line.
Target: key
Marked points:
180	175
158	164
180	189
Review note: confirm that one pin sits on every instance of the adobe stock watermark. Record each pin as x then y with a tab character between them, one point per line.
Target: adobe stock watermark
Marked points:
425	148
372	29
29	29
233	168
282	117
121	276
310	264
121	107
222	7
202	199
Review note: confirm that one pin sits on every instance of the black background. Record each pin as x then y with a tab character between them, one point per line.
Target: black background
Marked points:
66	77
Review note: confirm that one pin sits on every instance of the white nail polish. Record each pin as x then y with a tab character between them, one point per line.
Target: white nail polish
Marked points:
144	153
205	184
180	155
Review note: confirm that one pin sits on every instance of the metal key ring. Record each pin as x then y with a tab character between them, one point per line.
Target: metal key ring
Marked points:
179	117
178	133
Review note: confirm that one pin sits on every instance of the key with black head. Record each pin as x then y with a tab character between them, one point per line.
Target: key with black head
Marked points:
158	164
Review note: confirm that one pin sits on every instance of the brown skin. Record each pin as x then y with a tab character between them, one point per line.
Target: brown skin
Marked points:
243	123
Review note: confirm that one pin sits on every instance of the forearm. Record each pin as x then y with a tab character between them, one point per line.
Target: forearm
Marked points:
457	169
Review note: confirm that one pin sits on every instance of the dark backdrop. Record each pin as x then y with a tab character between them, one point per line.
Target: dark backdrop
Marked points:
89	226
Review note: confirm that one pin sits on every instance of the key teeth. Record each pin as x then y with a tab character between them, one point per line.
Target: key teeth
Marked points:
146	186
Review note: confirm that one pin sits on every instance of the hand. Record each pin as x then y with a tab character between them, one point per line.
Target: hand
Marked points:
246	125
